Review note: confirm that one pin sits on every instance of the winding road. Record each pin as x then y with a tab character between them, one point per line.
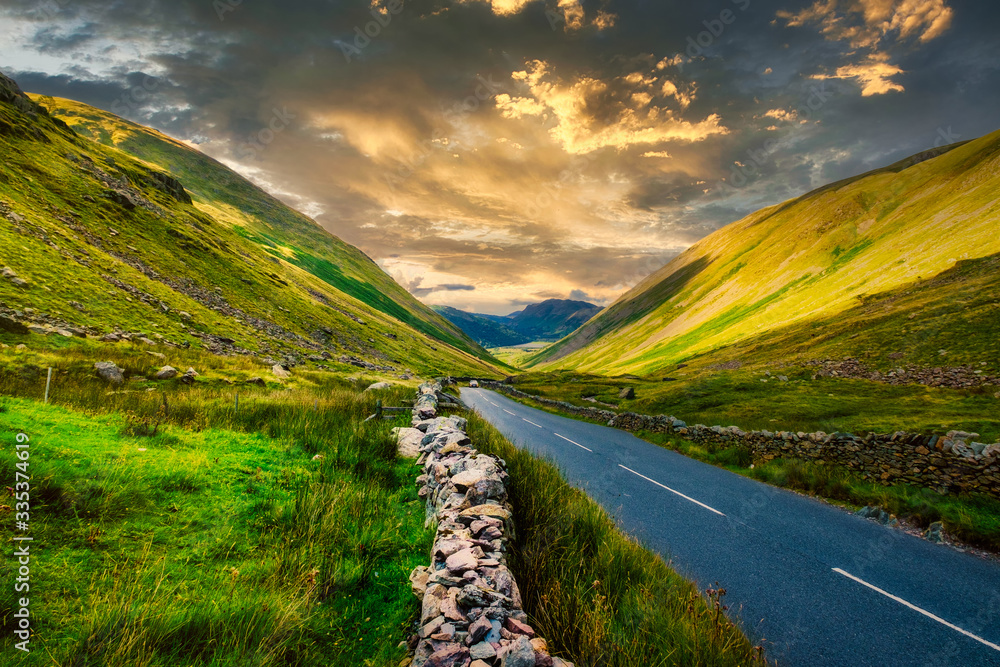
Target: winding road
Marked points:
817	585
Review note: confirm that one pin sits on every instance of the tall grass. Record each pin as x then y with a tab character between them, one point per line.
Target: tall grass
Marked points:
179	529
597	596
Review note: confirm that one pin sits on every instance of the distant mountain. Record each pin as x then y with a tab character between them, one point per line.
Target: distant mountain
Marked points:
488	331
899	261
552	319
120	228
548	320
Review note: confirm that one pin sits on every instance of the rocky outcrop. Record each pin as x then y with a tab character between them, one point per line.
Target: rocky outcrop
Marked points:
953	462
471	606
170	186
952	377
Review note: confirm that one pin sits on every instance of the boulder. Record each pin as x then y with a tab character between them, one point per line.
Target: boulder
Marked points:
408	442
167	373
519	628
450	655
189	375
259	381
109	372
461	561
280	372
935	532
379	385
519	654
418	580
628	393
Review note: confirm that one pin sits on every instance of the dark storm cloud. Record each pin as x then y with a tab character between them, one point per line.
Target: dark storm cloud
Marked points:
485	145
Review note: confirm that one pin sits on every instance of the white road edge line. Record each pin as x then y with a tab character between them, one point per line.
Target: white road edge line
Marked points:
918	609
508	412
575	443
710	509
531	422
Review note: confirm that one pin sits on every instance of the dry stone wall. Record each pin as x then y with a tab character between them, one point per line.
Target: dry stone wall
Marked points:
953	462
471	613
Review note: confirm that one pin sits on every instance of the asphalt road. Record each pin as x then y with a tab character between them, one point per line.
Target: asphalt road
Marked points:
817	585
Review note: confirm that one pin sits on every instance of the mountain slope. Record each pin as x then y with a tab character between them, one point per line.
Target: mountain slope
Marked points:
807	260
552	319
487	331
102	241
261	218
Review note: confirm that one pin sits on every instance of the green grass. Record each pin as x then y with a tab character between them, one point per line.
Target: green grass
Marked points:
597	596
515	356
220	540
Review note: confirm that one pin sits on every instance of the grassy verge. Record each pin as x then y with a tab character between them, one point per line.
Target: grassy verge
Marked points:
706	395
972	518
597	596
203	535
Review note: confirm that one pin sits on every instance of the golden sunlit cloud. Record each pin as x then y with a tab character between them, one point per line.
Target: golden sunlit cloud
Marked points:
872	25
874	74
782	114
572	13
867	23
628	114
569	13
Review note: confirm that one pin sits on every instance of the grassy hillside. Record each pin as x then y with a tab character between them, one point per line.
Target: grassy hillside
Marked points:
173	245
872	263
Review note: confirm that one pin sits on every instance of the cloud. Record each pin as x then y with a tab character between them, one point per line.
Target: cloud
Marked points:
568	13
872	28
874	74
586	113
869	23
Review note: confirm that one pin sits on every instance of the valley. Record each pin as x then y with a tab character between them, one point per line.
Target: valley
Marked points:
262	488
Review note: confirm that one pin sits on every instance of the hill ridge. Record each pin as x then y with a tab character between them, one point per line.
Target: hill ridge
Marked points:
801	259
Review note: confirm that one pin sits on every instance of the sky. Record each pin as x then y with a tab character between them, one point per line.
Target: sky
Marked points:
489	154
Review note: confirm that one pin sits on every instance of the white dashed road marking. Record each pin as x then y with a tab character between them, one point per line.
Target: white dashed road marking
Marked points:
575	443
710	509
918	609
508	412
531	422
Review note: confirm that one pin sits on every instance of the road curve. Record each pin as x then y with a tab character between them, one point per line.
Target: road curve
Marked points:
818	586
